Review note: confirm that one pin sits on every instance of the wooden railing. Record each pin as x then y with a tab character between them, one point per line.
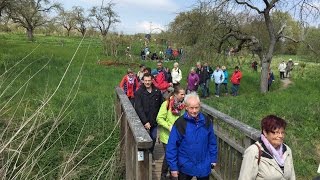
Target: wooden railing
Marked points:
233	138
135	141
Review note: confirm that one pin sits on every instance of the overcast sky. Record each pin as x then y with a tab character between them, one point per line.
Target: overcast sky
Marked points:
137	16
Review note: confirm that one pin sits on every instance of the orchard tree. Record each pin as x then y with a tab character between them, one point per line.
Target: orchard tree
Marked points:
80	19
3	5
103	17
264	9
30	14
67	19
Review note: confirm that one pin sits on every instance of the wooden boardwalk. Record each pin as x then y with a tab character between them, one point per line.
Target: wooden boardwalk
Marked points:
158	156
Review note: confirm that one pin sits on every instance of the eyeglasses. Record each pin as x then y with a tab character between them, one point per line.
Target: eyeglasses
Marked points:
278	133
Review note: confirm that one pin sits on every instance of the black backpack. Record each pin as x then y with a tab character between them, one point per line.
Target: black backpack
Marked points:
181	124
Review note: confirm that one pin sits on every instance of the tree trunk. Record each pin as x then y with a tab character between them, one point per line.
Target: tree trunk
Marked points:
30	34
264	74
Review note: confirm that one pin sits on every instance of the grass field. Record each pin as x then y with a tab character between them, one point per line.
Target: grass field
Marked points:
57	118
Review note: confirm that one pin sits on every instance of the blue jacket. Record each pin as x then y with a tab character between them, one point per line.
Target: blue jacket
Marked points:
226	75
193	152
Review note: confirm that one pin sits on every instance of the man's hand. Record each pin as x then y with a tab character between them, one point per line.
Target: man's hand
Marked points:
147	126
174	173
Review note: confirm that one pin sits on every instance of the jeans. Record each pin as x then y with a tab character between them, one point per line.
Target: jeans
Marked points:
204	91
153	135
234	89
218	89
207	86
165	166
225	87
183	176
281	75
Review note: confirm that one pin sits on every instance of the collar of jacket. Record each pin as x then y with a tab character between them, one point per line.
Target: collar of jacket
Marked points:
265	151
199	119
154	89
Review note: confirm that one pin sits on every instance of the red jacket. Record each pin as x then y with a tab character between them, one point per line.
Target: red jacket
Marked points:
160	82
129	88
236	77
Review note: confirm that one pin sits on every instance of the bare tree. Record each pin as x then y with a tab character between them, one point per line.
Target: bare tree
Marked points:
103	17
265	8
3	5
67	19
30	14
81	20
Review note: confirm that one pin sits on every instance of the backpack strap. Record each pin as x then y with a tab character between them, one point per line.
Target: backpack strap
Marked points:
259	154
181	125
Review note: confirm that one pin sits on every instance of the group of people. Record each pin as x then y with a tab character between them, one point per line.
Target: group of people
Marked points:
188	135
285	68
201	75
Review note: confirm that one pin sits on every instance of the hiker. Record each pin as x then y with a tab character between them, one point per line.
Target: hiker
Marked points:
235	80
289	68
160	82
148	100
226	76
169	112
254	66
140	72
176	74
282	69
129	84
209	71
192	81
203	76
218	78
269	157
192	146
270	79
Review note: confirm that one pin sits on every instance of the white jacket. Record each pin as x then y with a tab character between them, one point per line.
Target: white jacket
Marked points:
282	67
218	76
268	169
176	75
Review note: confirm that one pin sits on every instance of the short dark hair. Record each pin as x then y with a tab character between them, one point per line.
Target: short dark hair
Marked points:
272	122
147	75
237	67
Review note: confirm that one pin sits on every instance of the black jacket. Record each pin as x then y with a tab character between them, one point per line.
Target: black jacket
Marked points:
204	73
147	104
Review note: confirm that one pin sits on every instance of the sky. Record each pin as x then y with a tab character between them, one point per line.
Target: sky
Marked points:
138	16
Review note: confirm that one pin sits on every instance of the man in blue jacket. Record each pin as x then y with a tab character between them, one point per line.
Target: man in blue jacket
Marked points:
192	147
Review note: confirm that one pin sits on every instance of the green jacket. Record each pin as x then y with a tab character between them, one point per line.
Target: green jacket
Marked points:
165	120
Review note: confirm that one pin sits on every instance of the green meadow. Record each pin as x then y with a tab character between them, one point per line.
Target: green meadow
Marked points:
57	116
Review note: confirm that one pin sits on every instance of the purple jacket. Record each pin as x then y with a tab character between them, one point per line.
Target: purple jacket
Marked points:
193	82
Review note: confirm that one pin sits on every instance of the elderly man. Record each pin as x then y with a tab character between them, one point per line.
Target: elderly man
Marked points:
192	147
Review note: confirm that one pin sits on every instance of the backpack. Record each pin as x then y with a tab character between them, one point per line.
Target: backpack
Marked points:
181	124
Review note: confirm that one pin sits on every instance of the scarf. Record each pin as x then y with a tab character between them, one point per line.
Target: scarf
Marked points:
130	80
276	154
176	106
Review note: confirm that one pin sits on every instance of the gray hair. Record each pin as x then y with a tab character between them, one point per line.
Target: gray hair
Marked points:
192	95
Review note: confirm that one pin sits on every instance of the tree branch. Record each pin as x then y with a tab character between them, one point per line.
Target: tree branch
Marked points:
250	6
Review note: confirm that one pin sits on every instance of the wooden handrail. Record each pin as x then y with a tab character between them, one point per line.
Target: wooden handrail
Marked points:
140	134
249	131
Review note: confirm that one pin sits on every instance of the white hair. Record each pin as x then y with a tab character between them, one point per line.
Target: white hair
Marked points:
192	95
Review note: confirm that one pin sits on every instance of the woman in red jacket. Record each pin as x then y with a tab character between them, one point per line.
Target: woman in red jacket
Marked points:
129	84
235	80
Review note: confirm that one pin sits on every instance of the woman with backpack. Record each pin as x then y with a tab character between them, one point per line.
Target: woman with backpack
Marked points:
169	112
269	157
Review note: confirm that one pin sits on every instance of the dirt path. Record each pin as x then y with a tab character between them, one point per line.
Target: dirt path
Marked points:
285	83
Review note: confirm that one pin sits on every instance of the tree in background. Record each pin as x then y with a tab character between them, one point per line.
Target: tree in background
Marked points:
103	17
81	19
30	14
257	26
3	5
67	19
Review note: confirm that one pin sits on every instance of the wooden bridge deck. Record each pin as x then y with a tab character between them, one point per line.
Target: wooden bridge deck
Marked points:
158	156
